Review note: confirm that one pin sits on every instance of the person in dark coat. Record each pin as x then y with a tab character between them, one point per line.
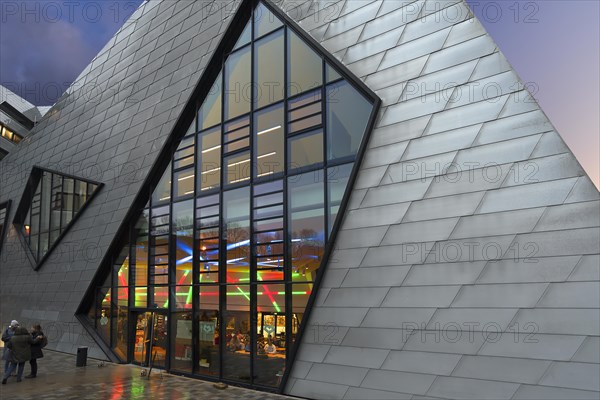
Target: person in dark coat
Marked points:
36	349
6	335
20	352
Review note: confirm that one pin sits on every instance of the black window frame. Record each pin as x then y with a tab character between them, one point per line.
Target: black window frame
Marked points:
35	178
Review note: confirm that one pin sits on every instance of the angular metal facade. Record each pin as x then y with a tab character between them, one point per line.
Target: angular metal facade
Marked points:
467	265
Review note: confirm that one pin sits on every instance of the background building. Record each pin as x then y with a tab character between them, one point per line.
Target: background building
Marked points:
450	251
17	117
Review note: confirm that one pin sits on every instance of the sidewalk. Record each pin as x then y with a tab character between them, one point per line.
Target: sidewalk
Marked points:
59	379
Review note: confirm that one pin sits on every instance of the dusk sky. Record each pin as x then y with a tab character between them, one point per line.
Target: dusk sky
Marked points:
44	45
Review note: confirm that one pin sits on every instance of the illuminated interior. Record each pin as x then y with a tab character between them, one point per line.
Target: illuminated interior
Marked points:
222	260
8	134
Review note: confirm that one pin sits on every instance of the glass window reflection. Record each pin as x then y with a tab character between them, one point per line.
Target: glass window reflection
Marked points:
237	346
305	67
268	125
306	200
268	70
306	149
337	181
236	217
208	331
209	159
348	113
238	83
271	334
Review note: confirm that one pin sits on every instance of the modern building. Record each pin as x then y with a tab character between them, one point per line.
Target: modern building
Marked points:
17	118
329	199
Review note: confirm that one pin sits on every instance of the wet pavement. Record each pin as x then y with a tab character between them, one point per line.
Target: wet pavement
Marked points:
59	379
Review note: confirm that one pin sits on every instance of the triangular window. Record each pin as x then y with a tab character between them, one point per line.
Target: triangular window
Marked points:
49	207
236	229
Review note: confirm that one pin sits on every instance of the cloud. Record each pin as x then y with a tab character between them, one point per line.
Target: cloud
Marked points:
40	60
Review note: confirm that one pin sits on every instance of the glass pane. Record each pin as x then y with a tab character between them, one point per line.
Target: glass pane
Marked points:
122	268
181	344
264	21
269	224
269	252
162	193
237	145
268	212
161	296
306	149
184	155
208	332
300	295
271	335
207	230
269	141
141	256
46	202
268	199
184	183
161	341
121	335
238	168
268	69
332	74
305	68
210	112
245	37
68	193
307	224
305	123
236	360
142	336
183	236
184	296
305	111
337	181
103	314
236	217
237	129
238	85
268	187
141	297
43	245
347	117
209	262
80	195
209	167
55	204
35	214
192	129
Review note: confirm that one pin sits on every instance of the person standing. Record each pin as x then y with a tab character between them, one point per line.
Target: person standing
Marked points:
36	348
20	352
6	335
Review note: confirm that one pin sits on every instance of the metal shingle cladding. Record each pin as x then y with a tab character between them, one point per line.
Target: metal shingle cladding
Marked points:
534	203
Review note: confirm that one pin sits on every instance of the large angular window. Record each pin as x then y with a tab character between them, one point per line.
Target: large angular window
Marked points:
50	204
236	229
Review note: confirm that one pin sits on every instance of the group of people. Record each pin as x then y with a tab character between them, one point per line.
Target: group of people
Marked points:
20	346
240	341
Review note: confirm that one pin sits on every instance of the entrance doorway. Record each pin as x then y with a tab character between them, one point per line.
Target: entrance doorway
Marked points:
151	339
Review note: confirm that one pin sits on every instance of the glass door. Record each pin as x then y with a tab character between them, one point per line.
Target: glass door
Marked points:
151	339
